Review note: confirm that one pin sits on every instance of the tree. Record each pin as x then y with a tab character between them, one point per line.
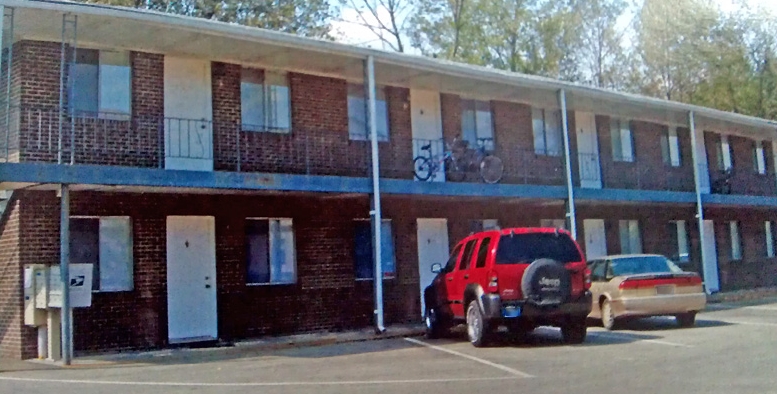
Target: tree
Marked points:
447	29
385	18
602	57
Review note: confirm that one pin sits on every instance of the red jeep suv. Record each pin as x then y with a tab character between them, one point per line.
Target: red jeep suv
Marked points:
521	278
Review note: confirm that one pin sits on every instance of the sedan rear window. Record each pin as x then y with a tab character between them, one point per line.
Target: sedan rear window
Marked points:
525	248
643	265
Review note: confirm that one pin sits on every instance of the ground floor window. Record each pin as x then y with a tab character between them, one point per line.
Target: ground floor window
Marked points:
680	229
364	266
769	237
631	241
270	253
736	240
106	243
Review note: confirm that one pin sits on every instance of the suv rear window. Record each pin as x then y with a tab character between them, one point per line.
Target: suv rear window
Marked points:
525	248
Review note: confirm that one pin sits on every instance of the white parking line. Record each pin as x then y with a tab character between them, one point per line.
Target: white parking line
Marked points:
637	339
763	307
746	323
256	384
473	358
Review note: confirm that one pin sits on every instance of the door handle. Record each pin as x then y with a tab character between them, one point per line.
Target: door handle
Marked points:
450	279
466	276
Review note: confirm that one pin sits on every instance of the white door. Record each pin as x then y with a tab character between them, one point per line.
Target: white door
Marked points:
191	279
433	248
595	238
588	150
709	256
188	114
426	122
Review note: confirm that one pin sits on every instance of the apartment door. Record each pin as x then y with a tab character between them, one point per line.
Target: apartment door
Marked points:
588	150
433	248
426	122
595	238
710	258
191	279
188	130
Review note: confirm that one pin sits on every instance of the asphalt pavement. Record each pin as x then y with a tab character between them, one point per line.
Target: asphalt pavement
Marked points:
733	349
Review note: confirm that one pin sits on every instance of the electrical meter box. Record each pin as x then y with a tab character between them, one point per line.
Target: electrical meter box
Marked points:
35	294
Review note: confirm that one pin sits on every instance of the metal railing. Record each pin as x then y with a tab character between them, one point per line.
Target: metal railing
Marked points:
636	174
33	135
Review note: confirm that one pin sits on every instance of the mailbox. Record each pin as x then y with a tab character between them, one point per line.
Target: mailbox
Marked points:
35	283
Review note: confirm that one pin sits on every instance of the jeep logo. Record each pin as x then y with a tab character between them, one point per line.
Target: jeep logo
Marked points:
550	282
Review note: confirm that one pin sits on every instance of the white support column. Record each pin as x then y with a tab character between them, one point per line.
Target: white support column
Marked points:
375	214
571	215
709	260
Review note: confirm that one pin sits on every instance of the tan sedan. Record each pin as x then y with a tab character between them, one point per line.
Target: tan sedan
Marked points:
631	286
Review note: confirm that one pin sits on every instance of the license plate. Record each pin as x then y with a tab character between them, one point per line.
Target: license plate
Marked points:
511	311
664	290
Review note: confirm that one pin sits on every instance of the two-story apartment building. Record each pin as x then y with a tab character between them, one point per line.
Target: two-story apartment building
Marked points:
220	179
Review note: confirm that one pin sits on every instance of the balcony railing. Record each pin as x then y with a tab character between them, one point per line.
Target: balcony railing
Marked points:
35	135
638	175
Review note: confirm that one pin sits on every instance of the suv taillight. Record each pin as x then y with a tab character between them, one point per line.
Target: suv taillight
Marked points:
493	283
587	279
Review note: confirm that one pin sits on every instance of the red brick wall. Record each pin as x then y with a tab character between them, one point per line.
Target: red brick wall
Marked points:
97	140
514	139
11	318
744	179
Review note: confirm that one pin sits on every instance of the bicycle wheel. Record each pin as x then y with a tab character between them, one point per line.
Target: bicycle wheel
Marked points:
491	169
422	168
453	171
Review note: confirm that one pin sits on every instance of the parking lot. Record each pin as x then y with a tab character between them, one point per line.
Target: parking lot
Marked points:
732	349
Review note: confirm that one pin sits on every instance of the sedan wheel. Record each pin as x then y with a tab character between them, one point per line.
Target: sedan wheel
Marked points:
608	319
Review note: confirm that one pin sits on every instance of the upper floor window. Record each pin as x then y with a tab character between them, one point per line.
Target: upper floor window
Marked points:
723	154
265	102
357	113
670	147
546	125
759	160
476	123
100	84
622	144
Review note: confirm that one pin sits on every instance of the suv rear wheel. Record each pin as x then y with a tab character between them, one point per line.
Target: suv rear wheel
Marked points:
574	331
478	328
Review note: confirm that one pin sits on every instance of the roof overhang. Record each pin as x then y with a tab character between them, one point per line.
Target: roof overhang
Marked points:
141	30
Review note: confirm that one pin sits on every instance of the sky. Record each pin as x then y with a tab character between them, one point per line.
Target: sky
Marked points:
349	27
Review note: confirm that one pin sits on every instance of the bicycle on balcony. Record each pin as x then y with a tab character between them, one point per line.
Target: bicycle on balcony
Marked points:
456	161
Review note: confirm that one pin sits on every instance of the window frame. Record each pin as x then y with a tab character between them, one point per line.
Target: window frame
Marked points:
98	269
268	84
735	240
101	81
671	153
477	108
620	131
380	98
393	273
246	262
544	114
682	241
760	165
630	226
725	160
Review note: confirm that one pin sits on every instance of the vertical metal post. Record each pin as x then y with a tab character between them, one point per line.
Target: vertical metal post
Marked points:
571	214
8	78
62	57
73	79
697	187
64	269
375	214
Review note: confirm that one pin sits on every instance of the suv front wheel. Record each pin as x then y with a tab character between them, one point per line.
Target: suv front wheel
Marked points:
436	325
478	328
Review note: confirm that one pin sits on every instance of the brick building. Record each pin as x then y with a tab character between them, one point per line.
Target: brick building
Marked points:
227	170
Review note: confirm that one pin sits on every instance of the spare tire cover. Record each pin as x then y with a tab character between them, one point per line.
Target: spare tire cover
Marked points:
546	282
